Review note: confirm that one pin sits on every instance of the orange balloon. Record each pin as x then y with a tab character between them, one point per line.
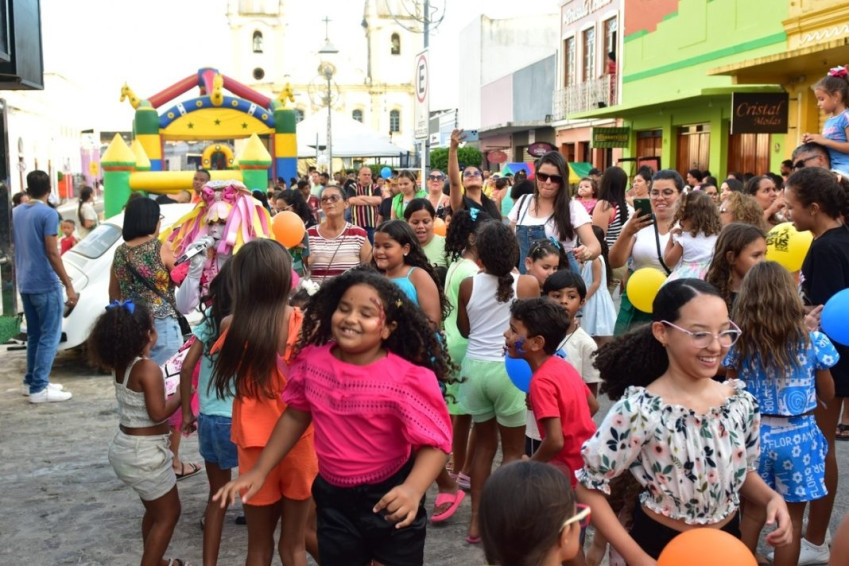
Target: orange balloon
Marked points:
288	228
706	547
439	227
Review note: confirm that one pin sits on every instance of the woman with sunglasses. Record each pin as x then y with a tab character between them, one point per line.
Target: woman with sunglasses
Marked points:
467	194
335	245
436	194
691	442
551	213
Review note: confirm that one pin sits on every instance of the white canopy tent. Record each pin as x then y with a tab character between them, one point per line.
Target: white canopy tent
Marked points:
350	138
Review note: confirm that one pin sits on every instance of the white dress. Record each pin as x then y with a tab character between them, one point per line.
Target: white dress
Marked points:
599	312
696	256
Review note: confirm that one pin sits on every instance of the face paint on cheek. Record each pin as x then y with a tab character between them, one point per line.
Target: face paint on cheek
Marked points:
518	346
381	314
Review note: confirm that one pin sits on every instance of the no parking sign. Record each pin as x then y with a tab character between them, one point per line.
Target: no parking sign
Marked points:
422	109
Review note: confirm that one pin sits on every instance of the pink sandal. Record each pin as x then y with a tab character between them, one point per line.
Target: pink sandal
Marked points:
455	499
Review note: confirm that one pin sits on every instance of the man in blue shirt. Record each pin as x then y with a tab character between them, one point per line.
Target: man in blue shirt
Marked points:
40	276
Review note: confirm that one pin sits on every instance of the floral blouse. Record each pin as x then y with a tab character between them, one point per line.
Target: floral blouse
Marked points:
147	261
691	465
789	393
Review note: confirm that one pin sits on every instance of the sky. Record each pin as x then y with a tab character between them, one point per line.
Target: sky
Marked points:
100	44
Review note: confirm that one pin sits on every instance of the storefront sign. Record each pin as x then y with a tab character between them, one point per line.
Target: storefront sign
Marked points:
496	156
581	9
759	113
611	137
539	149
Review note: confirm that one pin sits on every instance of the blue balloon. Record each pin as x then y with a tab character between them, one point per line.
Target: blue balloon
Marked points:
386	172
519	373
834	321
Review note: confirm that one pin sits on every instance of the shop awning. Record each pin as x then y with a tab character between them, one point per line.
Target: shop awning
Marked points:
789	66
624	110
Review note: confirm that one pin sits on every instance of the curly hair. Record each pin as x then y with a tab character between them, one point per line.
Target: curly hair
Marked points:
119	335
413	338
769	311
733	239
816	185
401	232
640	343
745	209
260	286
463	224
700	210
498	251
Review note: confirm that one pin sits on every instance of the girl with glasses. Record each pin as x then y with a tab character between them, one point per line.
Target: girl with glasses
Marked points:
691	442
529	516
785	368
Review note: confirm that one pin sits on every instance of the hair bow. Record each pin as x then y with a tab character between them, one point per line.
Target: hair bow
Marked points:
838	71
473	212
128	304
554	241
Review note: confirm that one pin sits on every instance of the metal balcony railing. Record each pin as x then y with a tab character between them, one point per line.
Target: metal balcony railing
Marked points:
588	95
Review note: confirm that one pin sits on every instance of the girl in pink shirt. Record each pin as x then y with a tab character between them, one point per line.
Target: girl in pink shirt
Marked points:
382	430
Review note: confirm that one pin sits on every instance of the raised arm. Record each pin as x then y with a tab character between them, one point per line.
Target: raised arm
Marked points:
456	196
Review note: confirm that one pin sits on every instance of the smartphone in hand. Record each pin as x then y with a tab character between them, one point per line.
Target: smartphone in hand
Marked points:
642	206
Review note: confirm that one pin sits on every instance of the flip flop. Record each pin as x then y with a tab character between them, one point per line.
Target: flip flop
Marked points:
193	467
473	540
842	432
453	498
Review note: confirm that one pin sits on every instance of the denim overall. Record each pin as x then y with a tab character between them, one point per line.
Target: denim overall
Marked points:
528	234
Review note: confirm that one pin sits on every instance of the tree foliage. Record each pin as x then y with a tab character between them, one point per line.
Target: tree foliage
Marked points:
465	155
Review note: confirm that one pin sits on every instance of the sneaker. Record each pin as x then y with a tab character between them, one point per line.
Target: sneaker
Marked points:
48	395
813	554
53	386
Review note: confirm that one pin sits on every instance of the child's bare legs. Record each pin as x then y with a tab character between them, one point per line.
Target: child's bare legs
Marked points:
293	530
460	441
820	514
486	444
311	537
214	517
262	521
843	428
751	523
160	518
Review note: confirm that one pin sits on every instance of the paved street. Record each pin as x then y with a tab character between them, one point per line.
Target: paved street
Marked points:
64	505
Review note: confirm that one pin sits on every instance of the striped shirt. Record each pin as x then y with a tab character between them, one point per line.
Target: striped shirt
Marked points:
364	215
615	227
330	257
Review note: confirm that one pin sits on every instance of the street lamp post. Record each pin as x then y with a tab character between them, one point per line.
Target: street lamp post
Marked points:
326	69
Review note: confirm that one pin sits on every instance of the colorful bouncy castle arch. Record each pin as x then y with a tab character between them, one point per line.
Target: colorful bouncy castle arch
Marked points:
225	110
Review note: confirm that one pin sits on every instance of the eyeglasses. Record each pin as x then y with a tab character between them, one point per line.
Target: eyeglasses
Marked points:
331	198
554	178
471	173
802	163
582	517
435	177
665	193
726	338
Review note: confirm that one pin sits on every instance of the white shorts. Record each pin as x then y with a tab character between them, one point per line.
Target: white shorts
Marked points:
143	463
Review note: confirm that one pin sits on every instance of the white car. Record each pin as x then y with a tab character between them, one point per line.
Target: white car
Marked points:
88	265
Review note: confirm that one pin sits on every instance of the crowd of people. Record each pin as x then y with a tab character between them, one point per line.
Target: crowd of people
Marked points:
346	375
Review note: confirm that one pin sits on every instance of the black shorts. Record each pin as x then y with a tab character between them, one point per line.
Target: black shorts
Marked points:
653	536
351	534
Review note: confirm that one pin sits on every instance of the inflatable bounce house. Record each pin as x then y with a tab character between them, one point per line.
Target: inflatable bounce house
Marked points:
215	115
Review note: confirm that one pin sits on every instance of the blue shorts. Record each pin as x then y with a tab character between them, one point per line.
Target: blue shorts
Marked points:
214	441
792	458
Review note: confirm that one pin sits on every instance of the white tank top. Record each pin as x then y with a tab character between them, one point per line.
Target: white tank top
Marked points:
132	409
488	318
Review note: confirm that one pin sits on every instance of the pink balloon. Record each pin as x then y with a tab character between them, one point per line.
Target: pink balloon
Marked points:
295	280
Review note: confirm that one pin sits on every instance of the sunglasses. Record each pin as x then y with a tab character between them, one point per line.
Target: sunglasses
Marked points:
544	177
435	177
803	162
332	198
582	517
470	173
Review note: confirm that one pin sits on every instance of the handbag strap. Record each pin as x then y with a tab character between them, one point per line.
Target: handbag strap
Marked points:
170	300
657	242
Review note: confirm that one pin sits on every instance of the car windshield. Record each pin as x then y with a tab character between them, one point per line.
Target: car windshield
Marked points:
98	241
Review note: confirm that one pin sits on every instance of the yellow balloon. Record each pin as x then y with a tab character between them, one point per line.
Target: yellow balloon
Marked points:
643	286
787	246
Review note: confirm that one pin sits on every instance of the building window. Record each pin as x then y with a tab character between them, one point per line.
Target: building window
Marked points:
299	115
257	41
259	73
610	29
569	62
394	121
357	115
588	46
396	44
